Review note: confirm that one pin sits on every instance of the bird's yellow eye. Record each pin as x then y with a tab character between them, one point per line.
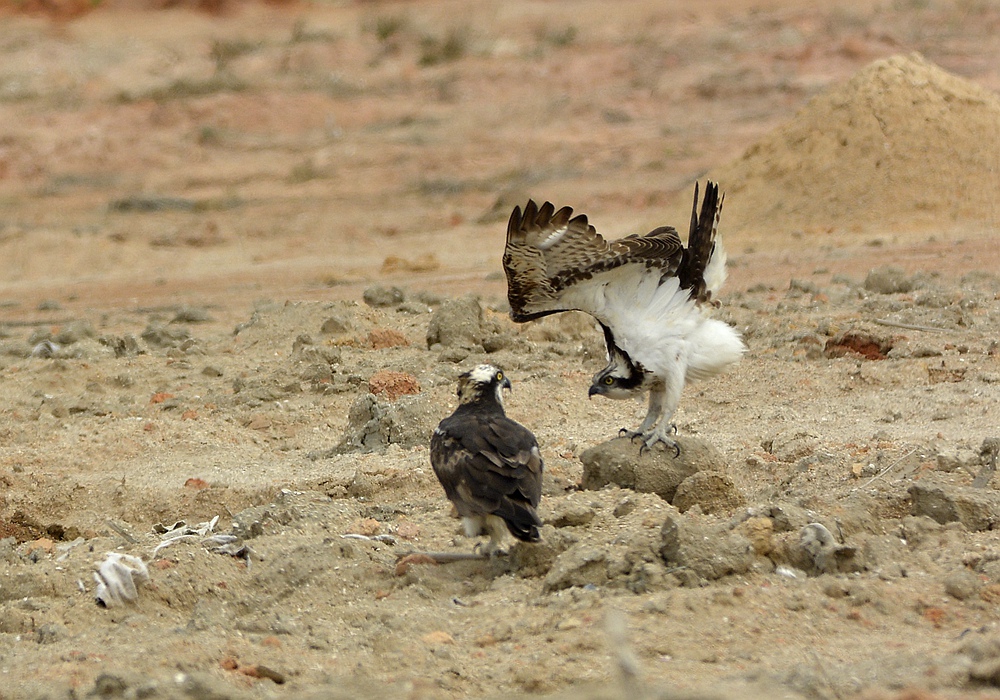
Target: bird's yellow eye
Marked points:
499	375
609	380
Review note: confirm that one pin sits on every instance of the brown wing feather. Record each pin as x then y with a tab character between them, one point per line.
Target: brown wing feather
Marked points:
701	241
548	251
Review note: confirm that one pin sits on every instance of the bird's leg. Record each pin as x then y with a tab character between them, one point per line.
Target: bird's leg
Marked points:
497	530
657	395
668	395
488	550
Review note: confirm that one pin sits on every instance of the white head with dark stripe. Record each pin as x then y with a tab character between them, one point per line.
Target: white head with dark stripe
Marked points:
482	382
621	379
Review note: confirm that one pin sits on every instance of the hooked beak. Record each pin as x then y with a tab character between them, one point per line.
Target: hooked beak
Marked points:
505	384
593	390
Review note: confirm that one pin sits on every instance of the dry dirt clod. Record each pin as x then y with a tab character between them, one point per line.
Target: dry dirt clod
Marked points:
457	322
624	463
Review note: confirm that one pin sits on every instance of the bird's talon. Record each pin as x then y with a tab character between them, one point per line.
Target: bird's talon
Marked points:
630	434
661	440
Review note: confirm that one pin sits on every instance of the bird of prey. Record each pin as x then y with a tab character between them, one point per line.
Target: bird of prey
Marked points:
649	293
489	465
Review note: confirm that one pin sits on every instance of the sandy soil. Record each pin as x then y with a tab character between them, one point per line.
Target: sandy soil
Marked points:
203	216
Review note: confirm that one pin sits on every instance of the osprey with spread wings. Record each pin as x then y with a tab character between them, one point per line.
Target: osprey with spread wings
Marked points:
649	293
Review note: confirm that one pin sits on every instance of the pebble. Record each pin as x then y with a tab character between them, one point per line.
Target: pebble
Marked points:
888	280
51	632
335	325
381	338
572	515
437	638
714	491
962	584
378	296
393	384
191	314
457	322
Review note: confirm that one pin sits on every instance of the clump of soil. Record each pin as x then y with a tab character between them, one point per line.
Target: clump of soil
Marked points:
902	144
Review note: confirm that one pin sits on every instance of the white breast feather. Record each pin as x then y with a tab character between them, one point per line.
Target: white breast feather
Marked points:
658	325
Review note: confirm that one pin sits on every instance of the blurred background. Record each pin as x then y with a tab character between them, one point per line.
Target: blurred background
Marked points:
221	149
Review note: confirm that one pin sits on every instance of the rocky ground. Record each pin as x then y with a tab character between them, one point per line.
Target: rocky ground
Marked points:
246	253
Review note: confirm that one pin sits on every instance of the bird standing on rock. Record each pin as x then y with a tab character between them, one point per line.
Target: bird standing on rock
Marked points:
649	293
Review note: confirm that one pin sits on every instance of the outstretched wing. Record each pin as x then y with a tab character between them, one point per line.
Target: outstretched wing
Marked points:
549	253
699	268
490	465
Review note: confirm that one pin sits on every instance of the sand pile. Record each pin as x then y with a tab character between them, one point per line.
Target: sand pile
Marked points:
902	145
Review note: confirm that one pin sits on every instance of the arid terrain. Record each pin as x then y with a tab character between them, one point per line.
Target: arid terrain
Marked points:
247	248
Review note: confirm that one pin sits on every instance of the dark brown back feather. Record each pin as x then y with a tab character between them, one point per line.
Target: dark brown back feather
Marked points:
488	464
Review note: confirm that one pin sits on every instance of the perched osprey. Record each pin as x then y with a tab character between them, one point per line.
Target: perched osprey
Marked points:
649	293
489	465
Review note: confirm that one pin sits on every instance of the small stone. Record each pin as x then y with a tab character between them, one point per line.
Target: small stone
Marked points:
580	565
858	344
368	527
393	384
949	460
456	322
108	686
380	297
121	346
43	544
977	509
162	337
705	549
437	638
495	342
421	263
381	338
760	532
74	331
408	530
335	325
51	633
569	623
258	421
962	584
888	280
374	423
191	314
990	593
714	491
573	515
791	445
624	507
453	355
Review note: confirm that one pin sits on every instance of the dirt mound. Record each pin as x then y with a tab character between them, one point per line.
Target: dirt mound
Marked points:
902	144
